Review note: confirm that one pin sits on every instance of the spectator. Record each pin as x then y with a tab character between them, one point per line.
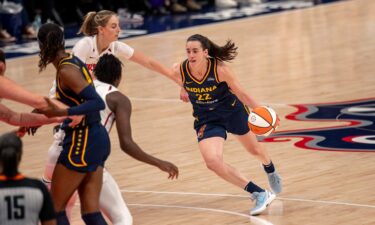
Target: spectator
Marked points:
27	30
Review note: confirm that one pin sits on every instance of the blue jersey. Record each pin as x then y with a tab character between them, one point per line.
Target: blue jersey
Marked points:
208	93
86	145
68	97
216	109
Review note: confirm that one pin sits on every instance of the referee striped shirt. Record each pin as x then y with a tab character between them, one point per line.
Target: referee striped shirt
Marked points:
24	201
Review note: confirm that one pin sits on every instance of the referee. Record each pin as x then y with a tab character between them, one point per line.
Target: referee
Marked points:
23	201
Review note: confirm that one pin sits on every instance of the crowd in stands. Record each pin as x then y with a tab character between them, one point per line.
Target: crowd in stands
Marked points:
20	19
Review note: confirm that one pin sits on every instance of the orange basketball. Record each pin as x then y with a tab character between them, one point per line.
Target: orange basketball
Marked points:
263	120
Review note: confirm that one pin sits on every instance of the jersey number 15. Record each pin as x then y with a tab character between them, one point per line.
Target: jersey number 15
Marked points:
15	207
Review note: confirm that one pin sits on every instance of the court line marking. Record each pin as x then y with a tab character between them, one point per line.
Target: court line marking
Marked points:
191	207
256	220
247	196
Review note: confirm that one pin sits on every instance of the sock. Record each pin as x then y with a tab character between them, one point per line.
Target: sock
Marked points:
62	219
94	218
270	168
251	187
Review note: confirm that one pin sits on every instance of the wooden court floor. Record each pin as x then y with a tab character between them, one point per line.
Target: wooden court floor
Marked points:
320	54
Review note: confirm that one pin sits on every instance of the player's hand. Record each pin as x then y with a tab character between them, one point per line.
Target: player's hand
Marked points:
184	96
75	120
52	110
170	168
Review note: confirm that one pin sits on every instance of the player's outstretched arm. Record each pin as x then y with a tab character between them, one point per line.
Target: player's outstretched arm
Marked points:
12	91
121	106
153	65
25	119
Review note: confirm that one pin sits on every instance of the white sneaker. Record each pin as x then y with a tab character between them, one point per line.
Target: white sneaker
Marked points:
262	200
225	3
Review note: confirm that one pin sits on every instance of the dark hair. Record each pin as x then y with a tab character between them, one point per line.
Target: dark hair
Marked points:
108	69
93	20
2	56
223	53
10	154
51	40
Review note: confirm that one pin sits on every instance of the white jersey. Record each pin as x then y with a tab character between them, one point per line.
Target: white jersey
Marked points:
87	51
106	115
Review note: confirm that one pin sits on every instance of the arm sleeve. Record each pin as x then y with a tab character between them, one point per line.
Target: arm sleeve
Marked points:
124	50
82	48
92	104
47	211
23	119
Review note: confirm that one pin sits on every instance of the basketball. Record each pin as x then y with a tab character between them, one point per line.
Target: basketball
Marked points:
263	121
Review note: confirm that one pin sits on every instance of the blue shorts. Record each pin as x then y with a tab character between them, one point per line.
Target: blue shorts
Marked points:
85	148
217	123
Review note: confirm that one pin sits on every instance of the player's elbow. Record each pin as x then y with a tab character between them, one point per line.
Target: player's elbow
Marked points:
126	144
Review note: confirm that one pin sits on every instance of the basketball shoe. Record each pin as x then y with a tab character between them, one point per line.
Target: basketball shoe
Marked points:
275	182
262	200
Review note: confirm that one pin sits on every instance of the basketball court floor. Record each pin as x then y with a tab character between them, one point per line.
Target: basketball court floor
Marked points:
314	66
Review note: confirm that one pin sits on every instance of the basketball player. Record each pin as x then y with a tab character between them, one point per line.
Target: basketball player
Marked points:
22	200
220	106
102	29
85	146
10	90
118	107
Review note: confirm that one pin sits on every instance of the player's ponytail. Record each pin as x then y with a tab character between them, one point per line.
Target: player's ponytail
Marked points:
10	154
51	40
93	19
223	53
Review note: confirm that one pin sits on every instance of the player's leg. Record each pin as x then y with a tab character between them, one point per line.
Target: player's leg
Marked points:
255	148
236	124
252	145
111	202
212	153
52	156
89	191
64	183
